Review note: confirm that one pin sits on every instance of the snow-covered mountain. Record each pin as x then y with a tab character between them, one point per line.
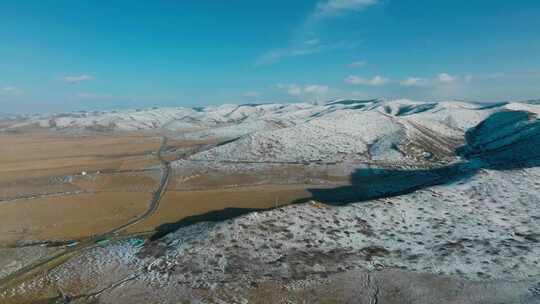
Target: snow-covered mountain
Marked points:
224	120
370	130
377	131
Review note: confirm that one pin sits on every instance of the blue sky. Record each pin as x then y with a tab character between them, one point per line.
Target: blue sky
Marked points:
68	55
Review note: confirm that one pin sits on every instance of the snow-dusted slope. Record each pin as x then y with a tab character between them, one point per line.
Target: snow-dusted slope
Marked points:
340	133
385	131
227	121
371	130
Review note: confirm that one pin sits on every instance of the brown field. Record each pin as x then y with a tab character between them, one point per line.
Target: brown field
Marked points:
69	216
177	205
33	186
129	182
42	154
33	162
204	178
118	182
137	163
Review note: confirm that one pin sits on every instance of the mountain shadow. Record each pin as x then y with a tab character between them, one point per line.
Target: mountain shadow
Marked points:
212	216
368	184
505	140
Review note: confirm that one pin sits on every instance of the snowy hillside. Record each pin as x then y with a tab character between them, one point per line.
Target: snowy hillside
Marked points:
383	131
221	121
372	130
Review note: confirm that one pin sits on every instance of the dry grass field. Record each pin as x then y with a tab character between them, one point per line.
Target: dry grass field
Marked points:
127	182
45	196
178	205
38	154
202	178
68	216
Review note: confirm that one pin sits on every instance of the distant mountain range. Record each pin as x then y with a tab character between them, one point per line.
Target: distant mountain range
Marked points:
375	130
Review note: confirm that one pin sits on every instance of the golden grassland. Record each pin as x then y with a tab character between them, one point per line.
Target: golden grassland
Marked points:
177	205
33	162
37	154
68	216
132	182
282	174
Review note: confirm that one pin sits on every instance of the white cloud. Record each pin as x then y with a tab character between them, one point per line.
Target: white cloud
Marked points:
357	64
292	89
274	56
298	90
415	82
446	78
440	79
303	44
316	89
332	8
312	42
77	78
251	94
375	81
